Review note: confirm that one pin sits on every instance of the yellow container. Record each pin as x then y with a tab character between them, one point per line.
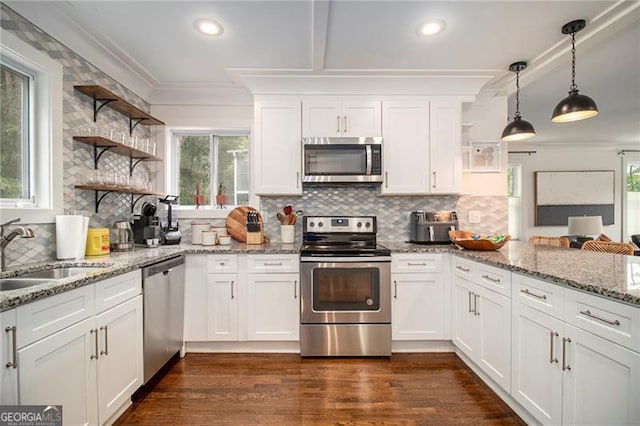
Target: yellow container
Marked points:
97	242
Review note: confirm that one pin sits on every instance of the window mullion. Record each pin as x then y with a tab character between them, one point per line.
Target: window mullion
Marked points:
213	170
28	141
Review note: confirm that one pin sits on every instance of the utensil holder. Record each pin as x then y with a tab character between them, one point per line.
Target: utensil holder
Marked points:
287	233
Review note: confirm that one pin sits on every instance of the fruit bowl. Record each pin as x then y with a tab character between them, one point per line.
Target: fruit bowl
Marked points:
471	241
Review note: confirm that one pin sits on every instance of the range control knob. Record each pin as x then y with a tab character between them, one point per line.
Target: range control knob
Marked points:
367	225
312	224
359	224
320	224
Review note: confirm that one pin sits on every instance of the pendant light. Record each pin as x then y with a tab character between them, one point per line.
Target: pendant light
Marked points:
575	106
518	129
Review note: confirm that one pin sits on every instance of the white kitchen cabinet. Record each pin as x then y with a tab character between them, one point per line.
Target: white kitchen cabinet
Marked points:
445	159
273	307
324	116
482	322
8	358
277	147
120	362
273	297
196	310
420	302
405	132
66	358
222	307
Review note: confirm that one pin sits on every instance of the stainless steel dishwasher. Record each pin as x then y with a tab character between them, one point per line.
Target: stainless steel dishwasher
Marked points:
163	289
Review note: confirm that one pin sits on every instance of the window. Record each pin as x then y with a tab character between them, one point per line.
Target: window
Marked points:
631	197
514	188
30	132
212	164
16	122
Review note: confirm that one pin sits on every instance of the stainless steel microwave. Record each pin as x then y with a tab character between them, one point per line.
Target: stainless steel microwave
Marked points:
342	160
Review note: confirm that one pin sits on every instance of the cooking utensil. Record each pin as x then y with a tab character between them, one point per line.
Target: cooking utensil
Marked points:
281	218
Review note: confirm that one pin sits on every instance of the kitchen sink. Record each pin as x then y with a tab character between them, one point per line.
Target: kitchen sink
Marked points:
7	284
60	272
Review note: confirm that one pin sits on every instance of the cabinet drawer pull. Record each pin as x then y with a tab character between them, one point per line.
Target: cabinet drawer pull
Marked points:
462	269
338	128
295	289
416	263
272	263
494	280
529	293
470	310
232	295
552	335
94	331
475	305
434	179
345	124
565	366
106	341
590	315
395	289
386	179
297	180
14	350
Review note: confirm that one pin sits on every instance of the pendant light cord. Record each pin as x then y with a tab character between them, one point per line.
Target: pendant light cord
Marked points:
517	114
573	62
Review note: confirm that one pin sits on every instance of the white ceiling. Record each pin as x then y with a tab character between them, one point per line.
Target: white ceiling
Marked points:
153	48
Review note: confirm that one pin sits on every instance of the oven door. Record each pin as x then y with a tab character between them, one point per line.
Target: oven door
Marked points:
345	290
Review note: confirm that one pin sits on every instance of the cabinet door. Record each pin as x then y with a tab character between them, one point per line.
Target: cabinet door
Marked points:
602	385
445	160
536	372
465	328
8	359
61	370
418	308
120	370
361	118
406	147
494	314
195	299
273	307
222	302
277	148
322	117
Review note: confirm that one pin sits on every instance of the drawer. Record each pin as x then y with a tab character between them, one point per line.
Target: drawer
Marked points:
47	316
416	262
272	263
463	268
606	318
538	294
222	263
495	279
115	290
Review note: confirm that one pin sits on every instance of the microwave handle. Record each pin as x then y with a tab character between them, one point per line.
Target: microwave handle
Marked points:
369	159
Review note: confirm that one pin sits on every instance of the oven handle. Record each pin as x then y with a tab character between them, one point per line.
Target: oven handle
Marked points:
330	259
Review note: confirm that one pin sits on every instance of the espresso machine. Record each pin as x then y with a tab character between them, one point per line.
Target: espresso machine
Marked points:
169	232
146	225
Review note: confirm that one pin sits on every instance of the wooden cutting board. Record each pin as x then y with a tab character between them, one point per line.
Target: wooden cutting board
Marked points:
237	223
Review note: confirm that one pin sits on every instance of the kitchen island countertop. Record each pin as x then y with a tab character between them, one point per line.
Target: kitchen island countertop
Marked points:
611	276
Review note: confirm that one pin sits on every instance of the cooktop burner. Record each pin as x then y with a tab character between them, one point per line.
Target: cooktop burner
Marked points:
352	236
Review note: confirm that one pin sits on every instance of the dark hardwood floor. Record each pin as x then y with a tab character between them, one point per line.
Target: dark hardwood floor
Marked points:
282	389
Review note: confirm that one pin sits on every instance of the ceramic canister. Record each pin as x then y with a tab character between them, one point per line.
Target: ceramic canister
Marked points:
208	238
197	228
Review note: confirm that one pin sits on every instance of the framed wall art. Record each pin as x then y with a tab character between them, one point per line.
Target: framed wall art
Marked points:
485	157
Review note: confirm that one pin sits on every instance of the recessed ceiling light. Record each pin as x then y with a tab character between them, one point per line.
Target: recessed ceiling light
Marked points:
431	27
208	27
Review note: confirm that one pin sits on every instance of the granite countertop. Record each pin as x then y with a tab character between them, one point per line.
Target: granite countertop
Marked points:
612	276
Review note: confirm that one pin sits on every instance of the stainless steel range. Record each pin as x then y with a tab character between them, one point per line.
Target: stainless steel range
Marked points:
345	286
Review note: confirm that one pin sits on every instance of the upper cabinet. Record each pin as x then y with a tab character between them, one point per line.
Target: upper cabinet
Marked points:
277	145
324	116
421	142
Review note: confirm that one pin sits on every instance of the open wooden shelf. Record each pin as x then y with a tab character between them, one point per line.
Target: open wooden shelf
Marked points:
117	147
103	97
108	189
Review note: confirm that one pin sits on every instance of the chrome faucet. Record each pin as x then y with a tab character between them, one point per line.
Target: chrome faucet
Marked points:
18	231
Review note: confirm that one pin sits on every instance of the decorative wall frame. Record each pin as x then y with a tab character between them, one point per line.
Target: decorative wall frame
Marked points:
485	157
561	194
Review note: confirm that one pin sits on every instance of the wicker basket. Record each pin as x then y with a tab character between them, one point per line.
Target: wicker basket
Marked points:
463	239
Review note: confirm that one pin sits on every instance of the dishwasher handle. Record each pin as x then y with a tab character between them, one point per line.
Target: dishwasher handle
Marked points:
163	267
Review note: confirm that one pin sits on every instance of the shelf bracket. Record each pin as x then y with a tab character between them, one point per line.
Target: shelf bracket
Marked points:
134	202
97	155
133	125
97	108
100	198
132	164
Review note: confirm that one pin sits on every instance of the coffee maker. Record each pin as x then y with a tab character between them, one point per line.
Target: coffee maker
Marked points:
146	225
169	232
432	227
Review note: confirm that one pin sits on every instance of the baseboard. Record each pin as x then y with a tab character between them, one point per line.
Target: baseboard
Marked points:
242	347
417	346
498	390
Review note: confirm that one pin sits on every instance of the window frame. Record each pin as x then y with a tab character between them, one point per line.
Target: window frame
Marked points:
46	133
514	201
626	159
172	167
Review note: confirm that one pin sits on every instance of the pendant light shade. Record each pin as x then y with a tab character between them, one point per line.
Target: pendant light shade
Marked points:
575	106
518	129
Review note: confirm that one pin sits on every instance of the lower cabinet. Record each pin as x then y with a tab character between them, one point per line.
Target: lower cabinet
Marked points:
8	358
222	302
273	307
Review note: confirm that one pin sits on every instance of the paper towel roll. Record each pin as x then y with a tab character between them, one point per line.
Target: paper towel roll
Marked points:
71	236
